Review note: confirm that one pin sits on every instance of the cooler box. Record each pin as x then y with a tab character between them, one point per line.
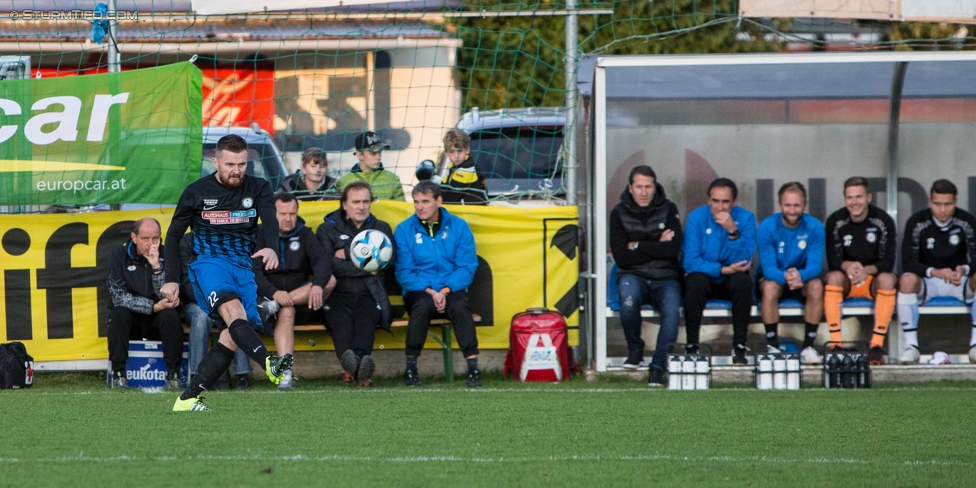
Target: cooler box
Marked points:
539	350
145	367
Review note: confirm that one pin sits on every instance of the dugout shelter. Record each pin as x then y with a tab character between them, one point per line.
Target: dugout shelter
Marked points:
901	119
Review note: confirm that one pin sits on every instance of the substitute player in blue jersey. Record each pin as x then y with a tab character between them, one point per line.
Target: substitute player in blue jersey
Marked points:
223	210
791	251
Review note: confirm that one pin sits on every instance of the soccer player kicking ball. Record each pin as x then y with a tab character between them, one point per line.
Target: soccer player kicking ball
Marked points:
223	211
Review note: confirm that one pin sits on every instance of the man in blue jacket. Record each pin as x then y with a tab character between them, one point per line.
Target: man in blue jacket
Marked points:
435	264
791	249
720	239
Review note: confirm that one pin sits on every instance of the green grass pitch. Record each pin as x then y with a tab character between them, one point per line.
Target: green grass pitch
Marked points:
71	430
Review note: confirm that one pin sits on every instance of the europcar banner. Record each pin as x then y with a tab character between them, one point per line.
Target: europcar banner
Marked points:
54	270
129	137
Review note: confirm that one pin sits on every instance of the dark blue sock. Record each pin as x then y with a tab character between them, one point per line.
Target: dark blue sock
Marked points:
472	363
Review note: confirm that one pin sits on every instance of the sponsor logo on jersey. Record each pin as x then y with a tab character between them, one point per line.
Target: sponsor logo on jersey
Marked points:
209	203
221	217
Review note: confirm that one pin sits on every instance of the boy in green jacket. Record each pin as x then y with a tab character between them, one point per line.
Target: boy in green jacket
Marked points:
384	184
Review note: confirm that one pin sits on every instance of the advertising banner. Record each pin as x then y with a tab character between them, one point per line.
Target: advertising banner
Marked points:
129	137
54	270
239	97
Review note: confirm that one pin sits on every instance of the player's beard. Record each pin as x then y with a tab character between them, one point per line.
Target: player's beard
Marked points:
231	182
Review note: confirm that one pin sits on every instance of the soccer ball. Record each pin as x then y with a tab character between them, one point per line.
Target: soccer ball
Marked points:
371	250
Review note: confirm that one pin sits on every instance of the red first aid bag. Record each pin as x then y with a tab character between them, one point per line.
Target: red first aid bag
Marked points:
539	348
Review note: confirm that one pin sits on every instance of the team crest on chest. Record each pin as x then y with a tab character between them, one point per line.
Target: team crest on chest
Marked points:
871	237
247	202
295	245
801	244
954	239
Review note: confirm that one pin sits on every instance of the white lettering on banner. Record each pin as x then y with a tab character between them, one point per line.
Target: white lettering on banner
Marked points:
67	129
66	120
145	375
96	126
540	358
9	107
78	185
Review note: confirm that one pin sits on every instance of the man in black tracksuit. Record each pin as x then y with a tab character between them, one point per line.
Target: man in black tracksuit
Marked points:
645	238
287	289
359	302
938	260
134	279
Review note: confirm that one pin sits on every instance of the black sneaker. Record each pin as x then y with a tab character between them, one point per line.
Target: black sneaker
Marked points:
739	355
876	356
691	349
634	360
349	362
474	379
223	382
366	369
411	378
243	383
655	377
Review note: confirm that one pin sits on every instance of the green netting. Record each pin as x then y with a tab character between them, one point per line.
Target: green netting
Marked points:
319	78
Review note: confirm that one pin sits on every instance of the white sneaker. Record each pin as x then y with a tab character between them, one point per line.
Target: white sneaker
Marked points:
910	355
268	309
809	355
287	381
972	354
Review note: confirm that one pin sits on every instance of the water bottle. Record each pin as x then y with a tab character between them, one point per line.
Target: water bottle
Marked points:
863	371
779	372
832	377
674	372
849	374
792	372
702	369
688	373
764	375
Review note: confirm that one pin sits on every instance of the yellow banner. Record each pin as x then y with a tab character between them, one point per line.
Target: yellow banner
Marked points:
55	298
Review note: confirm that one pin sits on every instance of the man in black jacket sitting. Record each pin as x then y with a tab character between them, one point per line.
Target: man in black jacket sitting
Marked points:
645	239
359	301
135	276
290	297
